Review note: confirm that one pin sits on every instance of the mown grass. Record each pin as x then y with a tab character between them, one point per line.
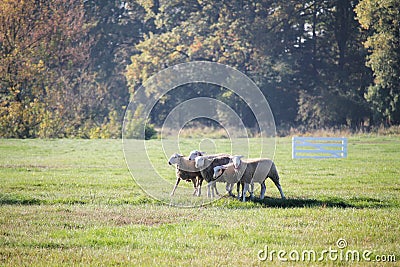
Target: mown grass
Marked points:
73	202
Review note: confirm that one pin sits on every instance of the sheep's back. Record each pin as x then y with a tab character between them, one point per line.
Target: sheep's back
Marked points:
231	175
257	170
187	165
213	156
208	172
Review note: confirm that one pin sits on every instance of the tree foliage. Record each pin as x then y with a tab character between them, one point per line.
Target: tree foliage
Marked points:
42	60
306	56
68	68
382	19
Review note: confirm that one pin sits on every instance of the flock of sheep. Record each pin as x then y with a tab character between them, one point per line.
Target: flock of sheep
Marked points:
226	169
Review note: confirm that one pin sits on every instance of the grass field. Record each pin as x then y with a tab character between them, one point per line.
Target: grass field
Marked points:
74	202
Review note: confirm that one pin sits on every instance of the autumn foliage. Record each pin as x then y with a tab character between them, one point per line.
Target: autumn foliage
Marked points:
46	90
68	68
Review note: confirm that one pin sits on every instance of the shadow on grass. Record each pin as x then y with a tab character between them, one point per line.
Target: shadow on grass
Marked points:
18	200
325	202
25	200
300	203
359	202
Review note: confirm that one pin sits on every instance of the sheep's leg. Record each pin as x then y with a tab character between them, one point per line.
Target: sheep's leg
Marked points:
200	182
238	190
280	191
178	179
252	191
229	188
263	188
278	185
231	194
275	178
215	188
210	189
194	180
245	189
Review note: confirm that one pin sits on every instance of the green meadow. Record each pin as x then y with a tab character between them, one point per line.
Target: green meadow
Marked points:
74	202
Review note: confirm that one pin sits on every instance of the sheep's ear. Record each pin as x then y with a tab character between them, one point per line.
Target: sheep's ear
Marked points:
202	153
179	155
224	167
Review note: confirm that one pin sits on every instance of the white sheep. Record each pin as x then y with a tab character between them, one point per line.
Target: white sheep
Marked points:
227	173
185	170
257	171
236	164
249	172
202	161
195	153
206	166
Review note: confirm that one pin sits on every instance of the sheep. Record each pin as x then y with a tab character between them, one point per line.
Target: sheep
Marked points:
249	172
228	174
257	171
195	153
231	176
185	170
206	165
236	164
200	160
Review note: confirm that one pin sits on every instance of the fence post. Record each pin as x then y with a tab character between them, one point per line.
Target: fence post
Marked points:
344	147
293	147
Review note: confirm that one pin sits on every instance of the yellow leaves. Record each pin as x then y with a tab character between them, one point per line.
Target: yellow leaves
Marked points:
196	45
364	13
40	65
175	55
228	94
180	48
111	128
382	41
14	91
376	13
94	133
148	5
11	116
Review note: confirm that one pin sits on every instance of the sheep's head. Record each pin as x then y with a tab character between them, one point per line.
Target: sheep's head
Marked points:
219	170
195	153
236	160
174	159
199	162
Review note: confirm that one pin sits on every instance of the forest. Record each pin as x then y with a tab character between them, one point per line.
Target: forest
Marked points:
69	68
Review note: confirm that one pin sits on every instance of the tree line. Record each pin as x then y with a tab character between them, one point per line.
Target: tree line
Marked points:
69	68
